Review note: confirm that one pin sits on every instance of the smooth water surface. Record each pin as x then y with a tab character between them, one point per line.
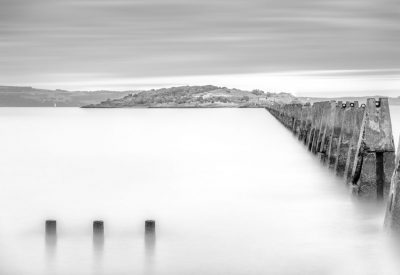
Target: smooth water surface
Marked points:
231	190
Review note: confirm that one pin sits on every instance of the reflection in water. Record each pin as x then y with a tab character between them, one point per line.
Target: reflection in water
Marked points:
150	243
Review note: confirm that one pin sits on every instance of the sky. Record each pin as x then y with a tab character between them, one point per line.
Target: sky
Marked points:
306	47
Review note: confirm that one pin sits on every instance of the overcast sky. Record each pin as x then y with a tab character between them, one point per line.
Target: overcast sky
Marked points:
302	46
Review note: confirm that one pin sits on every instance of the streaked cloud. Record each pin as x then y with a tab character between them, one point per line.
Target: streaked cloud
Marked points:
43	39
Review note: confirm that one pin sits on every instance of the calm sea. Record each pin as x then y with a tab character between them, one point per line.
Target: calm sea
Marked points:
231	190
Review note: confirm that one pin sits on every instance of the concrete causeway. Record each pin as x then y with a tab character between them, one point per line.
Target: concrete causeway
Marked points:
356	142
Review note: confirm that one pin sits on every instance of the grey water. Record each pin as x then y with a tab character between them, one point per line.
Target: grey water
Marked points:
231	190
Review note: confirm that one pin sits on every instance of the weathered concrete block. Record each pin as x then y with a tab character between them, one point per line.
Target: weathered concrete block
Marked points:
317	126
392	216
307	127
306	118
357	123
374	161
337	127
310	125
389	162
320	126
344	139
325	116
366	177
289	115
296	113
303	116
316	114
327	135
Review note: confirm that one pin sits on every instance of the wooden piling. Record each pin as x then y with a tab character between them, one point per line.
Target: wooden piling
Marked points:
150	227
98	230
51	228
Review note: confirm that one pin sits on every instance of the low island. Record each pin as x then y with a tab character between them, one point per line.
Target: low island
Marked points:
208	96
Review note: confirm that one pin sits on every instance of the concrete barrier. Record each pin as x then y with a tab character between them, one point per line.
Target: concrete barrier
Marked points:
357	142
336	130
357	123
305	116
345	138
321	131
320	126
375	156
327	135
392	217
319	107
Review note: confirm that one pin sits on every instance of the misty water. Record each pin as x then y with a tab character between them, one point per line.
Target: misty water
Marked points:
232	192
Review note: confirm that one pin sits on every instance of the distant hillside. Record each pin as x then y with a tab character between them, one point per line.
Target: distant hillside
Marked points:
185	96
196	97
11	96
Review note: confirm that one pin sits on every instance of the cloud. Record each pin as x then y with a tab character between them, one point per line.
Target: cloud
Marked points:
163	38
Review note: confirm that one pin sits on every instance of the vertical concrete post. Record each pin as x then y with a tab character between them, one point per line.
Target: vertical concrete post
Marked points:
375	156
311	128
307	127
324	116
297	109
327	135
344	139
317	126
320	127
303	123
337	127
357	123
392	216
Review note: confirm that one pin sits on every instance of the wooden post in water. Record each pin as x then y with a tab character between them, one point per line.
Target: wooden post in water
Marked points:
150	228
51	232
98	228
98	232
51	228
